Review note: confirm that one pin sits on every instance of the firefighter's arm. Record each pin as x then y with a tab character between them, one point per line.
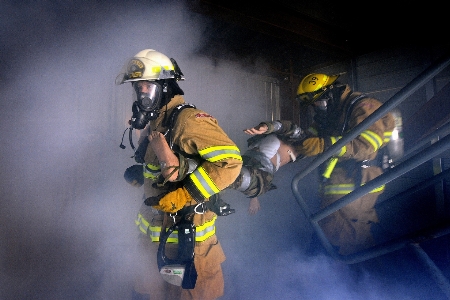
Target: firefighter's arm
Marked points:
365	144
197	134
220	158
374	137
316	145
197	185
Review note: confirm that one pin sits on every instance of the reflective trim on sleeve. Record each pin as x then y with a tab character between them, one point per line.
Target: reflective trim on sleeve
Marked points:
203	182
330	167
374	139
343	149
387	136
152	171
344	189
218	153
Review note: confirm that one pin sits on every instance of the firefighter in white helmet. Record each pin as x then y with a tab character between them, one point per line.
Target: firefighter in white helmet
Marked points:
338	109
178	187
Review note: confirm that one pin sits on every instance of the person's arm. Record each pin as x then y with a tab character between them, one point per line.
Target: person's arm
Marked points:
167	159
258	129
253	206
374	137
365	144
280	127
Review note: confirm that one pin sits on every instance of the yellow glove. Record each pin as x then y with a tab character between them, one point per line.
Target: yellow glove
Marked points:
312	146
173	201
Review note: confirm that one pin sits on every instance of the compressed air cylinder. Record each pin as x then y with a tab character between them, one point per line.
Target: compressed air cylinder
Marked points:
396	144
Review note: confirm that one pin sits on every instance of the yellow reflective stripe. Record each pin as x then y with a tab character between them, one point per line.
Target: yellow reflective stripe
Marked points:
378	189
203	182
374	139
142	223
387	136
338	189
343	149
344	189
155	233
217	153
202	232
330	167
152	171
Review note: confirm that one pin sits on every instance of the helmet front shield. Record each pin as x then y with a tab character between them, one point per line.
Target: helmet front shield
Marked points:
145	69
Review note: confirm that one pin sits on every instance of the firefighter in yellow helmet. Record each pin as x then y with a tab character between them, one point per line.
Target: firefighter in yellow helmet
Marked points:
338	109
177	187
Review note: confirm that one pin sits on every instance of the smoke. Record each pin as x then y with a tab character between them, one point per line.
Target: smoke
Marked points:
67	215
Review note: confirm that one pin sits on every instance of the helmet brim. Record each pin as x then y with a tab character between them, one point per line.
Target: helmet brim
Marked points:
309	98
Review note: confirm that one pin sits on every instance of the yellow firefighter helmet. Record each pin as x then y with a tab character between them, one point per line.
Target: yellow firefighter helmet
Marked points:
313	86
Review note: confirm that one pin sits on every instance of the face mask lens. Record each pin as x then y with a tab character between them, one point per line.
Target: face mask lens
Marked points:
148	94
321	104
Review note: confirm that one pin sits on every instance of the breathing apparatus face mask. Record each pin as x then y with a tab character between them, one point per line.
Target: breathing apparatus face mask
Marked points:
321	109
146	107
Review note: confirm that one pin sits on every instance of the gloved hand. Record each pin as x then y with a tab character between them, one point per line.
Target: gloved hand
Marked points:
170	202
312	146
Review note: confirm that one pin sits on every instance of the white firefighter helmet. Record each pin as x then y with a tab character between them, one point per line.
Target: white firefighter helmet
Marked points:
149	65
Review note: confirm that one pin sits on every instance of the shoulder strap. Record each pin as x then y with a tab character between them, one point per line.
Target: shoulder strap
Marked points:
172	120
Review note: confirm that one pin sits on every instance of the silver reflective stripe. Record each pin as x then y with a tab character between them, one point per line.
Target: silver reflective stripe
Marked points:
192	165
297	133
277	126
245	173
